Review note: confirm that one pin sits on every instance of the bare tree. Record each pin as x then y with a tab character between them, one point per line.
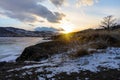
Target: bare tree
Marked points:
108	22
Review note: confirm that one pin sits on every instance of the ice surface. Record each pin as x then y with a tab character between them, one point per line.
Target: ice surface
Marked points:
12	47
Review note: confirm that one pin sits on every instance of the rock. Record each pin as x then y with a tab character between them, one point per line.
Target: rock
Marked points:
2	63
42	51
32	53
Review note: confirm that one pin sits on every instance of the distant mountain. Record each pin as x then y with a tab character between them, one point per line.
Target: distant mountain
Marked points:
17	32
48	29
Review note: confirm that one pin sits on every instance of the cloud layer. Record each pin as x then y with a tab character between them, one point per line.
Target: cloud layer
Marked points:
27	10
86	2
78	2
30	10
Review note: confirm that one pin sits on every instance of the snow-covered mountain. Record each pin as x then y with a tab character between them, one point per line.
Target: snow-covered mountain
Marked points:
16	32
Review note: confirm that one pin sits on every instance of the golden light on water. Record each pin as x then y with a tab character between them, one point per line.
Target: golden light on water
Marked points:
67	26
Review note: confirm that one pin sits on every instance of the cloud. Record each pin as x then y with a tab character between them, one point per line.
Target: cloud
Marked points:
86	2
58	2
26	10
78	2
30	10
41	21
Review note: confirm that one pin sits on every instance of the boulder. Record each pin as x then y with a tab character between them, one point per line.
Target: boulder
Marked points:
42	51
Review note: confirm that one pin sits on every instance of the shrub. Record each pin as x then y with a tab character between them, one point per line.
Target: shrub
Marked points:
98	45
81	52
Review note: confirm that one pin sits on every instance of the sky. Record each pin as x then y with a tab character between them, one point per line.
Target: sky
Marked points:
71	15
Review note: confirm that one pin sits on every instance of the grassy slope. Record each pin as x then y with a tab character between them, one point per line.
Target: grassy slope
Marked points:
91	39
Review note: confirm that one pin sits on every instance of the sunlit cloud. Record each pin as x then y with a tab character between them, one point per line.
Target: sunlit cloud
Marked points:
86	2
77	2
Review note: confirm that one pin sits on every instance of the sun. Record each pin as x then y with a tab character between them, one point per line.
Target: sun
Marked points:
67	26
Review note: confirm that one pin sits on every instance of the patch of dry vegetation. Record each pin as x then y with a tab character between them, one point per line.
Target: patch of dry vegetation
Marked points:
90	39
109	38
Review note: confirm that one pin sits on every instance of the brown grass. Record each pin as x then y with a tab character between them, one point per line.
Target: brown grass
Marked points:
81	52
90	35
98	45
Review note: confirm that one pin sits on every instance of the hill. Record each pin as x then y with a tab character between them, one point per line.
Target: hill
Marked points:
16	32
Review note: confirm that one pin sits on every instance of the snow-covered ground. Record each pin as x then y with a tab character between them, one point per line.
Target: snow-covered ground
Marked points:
63	63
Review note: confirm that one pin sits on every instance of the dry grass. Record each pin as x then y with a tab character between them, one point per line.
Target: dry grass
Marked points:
90	35
91	39
102	37
79	53
97	45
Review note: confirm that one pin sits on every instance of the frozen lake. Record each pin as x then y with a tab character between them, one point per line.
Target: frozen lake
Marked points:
12	47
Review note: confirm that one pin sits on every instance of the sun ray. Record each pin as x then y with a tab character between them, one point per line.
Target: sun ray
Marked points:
67	26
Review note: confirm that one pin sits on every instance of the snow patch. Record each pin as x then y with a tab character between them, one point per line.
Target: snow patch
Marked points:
62	63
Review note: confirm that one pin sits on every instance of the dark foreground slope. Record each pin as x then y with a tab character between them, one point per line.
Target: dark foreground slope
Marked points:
19	71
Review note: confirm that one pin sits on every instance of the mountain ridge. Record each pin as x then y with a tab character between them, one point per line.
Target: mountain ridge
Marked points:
17	32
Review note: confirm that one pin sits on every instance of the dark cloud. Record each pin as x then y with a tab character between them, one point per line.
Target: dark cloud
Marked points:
57	2
31	24
26	10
